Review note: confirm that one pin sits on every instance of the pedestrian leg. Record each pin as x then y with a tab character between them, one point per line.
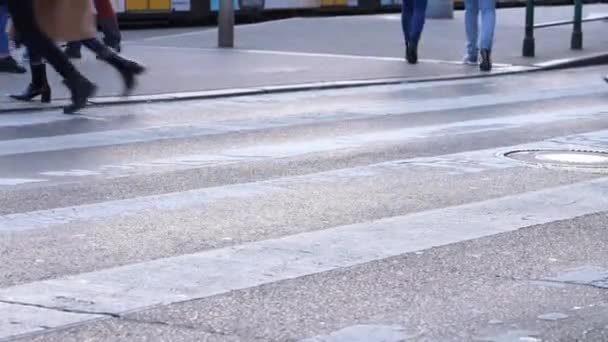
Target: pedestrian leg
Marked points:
127	68
39	85
72	50
22	12
471	25
7	62
407	11
106	18
488	23
416	26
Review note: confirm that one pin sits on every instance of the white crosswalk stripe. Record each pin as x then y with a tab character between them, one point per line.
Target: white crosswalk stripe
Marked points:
74	297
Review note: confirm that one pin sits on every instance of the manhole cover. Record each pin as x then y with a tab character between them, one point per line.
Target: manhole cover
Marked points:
573	159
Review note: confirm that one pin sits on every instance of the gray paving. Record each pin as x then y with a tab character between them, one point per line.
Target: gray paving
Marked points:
383	213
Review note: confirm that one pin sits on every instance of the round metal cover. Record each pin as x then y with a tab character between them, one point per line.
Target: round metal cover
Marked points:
572	159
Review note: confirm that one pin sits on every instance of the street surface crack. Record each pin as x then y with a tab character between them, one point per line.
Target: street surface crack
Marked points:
74	311
192	327
210	331
553	281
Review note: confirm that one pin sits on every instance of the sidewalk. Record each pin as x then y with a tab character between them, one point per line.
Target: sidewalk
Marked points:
289	52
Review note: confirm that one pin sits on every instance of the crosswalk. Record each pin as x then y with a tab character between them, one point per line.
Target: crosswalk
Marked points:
126	208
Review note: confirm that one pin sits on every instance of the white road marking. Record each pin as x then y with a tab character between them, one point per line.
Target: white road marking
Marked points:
12	322
19	120
19	181
149	134
457	163
52	217
200	275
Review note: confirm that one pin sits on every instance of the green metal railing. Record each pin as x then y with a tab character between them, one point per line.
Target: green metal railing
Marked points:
576	43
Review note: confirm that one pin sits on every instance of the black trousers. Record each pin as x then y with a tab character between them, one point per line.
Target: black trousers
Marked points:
38	43
92	44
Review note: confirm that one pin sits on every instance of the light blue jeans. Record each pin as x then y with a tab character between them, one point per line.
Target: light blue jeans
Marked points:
4	50
474	9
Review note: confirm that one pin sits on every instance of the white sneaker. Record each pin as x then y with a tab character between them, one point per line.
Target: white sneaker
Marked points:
470	61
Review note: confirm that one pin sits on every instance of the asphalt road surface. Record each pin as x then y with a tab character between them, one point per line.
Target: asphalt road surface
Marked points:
391	213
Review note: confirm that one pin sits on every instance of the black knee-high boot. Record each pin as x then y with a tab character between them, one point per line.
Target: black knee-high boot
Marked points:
128	69
38	87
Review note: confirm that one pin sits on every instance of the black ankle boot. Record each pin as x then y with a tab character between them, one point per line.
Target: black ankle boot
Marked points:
486	62
411	52
128	70
38	87
82	89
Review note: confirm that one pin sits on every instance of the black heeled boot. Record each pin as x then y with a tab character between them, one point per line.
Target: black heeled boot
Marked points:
81	89
411	52
38	87
128	70
486	62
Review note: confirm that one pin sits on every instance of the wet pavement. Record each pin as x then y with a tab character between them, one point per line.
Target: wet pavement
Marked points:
386	213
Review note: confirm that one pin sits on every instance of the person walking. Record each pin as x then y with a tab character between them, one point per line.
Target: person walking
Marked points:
108	23
59	20
39	85
413	16
479	44
7	62
55	16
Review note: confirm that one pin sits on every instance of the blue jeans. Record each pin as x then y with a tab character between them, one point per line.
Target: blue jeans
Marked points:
413	15
473	10
4	51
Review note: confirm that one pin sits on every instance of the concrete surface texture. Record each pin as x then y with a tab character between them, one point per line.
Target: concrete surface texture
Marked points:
386	213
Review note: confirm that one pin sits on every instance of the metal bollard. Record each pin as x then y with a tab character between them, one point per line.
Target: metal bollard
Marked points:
529	44
577	30
225	22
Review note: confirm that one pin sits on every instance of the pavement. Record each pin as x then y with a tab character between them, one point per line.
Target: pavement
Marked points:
186	63
386	213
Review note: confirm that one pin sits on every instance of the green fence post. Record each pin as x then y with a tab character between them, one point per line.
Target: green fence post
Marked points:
528	50
577	31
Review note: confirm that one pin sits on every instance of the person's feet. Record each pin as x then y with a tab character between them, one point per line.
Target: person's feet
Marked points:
486	62
81	89
10	65
128	69
470	60
32	91
411	52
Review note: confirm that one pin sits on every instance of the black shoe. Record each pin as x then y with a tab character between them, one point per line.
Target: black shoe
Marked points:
10	65
38	87
411	53
82	89
606	78
73	53
33	91
128	70
486	62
